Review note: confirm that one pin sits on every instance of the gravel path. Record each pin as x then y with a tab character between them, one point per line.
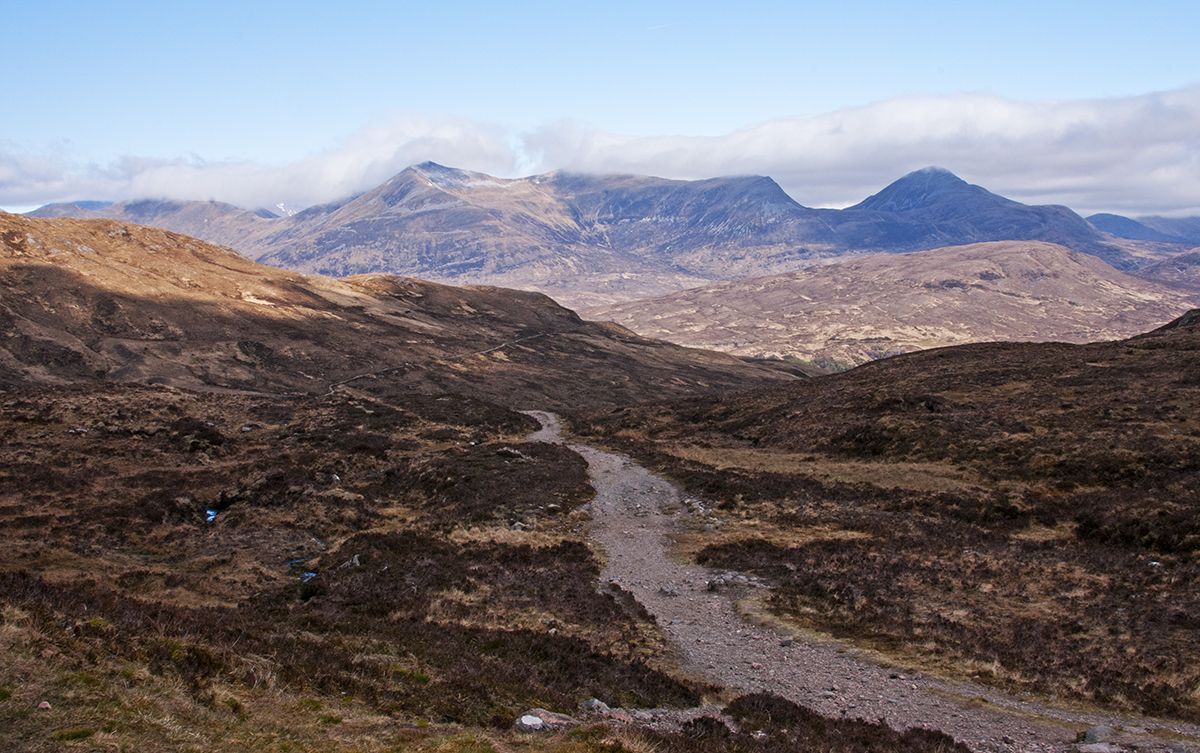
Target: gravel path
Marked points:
632	514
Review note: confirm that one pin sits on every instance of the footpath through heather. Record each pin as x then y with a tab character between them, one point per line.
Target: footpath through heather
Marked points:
634	512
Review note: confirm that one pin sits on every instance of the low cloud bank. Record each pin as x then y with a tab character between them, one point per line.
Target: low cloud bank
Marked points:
1133	155
361	162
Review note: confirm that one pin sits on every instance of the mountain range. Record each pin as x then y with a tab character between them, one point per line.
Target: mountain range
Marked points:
592	239
1184	230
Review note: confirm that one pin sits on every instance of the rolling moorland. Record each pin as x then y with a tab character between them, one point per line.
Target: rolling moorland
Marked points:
248	509
844	314
1021	513
1181	270
591	240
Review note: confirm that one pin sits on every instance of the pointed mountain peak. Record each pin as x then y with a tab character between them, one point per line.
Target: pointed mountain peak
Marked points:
919	189
934	171
452	177
433	168
428	172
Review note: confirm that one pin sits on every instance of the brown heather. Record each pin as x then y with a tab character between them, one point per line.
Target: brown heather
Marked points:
1024	513
102	301
115	585
429	624
868	307
156	544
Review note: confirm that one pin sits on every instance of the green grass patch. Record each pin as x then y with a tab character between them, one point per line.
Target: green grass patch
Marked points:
72	734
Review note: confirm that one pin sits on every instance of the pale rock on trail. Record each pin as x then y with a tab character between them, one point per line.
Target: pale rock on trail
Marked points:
632	514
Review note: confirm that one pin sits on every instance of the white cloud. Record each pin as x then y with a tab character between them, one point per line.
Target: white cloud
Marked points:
1134	155
363	161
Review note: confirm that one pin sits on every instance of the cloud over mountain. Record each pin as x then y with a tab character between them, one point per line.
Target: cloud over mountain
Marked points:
1138	154
1132	155
362	161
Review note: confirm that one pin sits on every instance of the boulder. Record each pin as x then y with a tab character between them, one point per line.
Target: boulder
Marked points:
1098	734
541	720
594	706
529	723
620	715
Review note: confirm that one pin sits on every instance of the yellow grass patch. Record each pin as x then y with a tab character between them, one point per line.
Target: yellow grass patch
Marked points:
932	477
685	546
507	536
1060	532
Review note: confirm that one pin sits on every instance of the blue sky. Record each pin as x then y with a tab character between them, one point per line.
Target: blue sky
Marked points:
1096	105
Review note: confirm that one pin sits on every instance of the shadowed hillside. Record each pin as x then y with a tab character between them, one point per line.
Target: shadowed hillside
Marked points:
88	300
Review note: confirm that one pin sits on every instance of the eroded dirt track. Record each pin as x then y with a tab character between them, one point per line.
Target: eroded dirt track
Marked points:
634	512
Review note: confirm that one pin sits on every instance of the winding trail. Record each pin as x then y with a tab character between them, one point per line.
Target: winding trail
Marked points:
632	515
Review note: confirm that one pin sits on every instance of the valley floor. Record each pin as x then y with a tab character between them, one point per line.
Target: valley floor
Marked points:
718	635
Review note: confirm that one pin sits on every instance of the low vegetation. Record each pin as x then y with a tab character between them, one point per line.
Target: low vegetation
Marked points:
1024	514
237	572
196	572
106	302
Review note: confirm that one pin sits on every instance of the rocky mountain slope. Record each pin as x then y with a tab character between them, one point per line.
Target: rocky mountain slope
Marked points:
212	221
932	208
98	300
587	239
873	306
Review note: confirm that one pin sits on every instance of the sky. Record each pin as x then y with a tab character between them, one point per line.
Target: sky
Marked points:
1093	105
